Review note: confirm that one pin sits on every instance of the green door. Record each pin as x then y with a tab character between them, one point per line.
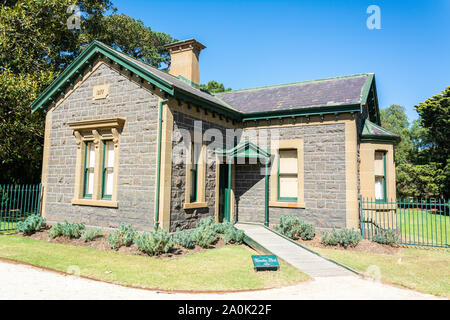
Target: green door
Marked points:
224	194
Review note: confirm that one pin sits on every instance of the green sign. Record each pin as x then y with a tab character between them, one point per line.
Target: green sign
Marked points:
265	262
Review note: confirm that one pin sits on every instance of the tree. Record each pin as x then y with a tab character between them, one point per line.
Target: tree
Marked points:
395	120
35	46
420	181
435	118
214	87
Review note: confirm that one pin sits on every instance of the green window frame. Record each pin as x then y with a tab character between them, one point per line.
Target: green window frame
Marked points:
87	170
105	170
383	178
279	174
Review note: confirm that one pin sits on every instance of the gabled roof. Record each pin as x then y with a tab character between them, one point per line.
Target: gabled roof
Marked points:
326	93
342	94
166	82
373	132
244	149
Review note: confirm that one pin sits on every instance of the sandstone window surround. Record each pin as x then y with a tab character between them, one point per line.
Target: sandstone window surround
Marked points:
97	161
287	168
195	174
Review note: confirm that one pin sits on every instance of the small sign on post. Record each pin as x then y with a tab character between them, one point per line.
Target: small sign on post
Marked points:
265	262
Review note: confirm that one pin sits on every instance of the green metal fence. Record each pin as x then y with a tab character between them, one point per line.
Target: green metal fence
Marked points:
17	202
420	222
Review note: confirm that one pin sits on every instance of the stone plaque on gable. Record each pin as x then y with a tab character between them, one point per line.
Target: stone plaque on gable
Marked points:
101	91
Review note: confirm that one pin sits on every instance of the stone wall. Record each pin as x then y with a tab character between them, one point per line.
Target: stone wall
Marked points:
250	193
324	174
137	147
188	218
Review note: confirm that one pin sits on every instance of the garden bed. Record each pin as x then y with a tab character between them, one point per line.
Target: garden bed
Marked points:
363	246
101	243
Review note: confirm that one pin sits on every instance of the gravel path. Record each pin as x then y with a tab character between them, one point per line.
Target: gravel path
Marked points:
25	282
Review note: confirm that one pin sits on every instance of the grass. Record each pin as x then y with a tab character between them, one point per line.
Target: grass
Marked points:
424	270
226	268
7	227
421	226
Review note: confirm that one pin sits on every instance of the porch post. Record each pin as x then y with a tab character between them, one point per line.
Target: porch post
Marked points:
266	199
229	189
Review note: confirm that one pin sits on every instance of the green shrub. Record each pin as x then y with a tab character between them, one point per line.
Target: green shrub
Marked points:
293	227
204	237
31	224
349	238
184	239
386	236
155	242
124	236
206	222
233	235
330	238
91	234
67	229
345	238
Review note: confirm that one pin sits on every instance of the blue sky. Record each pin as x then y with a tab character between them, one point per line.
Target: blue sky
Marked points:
258	43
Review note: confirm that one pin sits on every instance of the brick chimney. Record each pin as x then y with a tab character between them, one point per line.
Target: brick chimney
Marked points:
184	59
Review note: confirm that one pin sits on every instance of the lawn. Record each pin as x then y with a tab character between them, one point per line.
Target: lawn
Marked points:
226	268
424	270
7	227
420	226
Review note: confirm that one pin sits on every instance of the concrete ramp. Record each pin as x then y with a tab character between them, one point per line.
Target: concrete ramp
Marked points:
306	261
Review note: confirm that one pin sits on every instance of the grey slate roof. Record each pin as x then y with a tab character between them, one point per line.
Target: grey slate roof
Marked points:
175	81
319	93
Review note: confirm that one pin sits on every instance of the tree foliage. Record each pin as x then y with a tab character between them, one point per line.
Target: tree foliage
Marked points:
35	46
420	181
395	120
422	157
214	87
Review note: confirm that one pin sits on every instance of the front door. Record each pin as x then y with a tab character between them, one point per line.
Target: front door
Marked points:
224	193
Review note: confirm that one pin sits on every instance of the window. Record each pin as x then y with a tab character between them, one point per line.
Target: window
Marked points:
287	175
97	160
195	159
89	170
380	175
195	176
286	188
108	170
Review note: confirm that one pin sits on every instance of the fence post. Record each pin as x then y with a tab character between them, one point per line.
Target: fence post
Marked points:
361	215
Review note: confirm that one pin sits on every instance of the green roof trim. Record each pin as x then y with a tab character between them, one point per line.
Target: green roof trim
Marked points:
366	88
84	60
374	132
319	110
72	72
245	149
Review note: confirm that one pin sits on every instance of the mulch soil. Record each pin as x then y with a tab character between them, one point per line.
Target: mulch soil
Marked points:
101	243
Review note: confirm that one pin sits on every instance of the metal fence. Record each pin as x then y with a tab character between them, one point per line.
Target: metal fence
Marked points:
17	202
420	222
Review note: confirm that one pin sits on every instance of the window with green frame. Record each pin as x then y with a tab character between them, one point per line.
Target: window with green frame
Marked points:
380	176
195	158
287	175
89	169
108	170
